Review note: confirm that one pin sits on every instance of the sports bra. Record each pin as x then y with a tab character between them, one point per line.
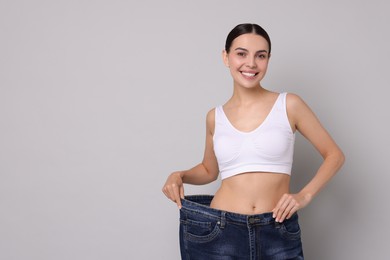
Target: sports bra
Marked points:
268	148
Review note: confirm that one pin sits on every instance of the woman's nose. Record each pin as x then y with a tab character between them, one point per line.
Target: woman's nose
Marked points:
251	63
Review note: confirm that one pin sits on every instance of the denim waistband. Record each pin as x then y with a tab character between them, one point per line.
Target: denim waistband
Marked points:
201	204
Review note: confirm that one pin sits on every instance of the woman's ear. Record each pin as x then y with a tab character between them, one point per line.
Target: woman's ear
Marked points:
225	58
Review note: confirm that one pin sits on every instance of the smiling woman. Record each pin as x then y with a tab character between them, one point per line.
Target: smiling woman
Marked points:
248	61
250	143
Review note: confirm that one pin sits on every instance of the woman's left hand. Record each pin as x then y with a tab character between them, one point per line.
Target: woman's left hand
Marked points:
288	205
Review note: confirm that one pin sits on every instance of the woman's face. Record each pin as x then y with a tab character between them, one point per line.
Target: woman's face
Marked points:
247	59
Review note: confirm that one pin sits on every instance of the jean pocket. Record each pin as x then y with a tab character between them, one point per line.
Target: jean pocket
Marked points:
200	231
290	229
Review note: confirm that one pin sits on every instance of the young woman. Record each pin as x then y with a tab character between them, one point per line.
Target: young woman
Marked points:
250	143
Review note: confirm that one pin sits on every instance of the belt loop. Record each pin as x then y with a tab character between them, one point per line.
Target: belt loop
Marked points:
223	219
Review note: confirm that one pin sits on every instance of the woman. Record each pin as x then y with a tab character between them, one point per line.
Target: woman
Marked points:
250	142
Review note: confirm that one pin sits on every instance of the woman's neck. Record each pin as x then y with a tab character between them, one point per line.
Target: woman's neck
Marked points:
246	96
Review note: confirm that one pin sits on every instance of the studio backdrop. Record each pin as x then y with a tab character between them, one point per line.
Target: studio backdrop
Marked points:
101	100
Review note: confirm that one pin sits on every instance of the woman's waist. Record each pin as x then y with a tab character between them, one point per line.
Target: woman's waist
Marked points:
251	193
245	204
199	205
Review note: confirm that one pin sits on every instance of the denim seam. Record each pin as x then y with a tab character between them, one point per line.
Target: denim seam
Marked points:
289	235
202	239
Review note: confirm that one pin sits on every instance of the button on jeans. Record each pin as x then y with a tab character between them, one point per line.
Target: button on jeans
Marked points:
211	234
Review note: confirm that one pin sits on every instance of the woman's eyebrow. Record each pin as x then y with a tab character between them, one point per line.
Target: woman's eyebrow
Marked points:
243	49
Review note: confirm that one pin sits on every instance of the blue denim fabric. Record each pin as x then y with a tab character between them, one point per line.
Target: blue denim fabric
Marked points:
211	234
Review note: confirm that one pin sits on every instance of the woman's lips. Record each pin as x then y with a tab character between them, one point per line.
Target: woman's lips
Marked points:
249	74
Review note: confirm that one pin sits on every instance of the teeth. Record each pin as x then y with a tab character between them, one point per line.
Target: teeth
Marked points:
248	74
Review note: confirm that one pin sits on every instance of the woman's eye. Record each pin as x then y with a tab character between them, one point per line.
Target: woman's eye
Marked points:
242	54
262	56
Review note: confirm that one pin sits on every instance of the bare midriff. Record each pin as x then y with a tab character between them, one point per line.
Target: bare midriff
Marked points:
251	193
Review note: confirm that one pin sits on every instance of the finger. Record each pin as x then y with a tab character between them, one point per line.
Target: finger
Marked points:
282	210
182	192
287	211
278	206
292	211
167	191
176	195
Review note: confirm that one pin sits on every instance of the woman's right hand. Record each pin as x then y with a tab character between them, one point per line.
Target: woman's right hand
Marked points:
174	189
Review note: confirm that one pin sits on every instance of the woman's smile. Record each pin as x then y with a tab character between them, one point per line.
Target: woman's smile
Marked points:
249	75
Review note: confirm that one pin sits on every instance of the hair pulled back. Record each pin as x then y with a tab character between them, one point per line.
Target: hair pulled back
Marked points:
244	29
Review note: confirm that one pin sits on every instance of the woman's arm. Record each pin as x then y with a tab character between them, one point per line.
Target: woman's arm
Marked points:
305	121
203	173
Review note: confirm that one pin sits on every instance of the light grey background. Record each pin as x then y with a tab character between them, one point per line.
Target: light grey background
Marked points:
101	100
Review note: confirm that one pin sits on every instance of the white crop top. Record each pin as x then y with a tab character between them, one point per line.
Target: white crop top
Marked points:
268	148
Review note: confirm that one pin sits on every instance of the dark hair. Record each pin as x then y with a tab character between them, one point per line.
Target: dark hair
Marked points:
243	29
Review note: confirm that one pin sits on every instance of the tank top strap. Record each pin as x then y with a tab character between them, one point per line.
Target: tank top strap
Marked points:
218	114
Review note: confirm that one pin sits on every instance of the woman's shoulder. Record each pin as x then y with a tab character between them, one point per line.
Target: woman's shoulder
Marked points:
297	109
210	120
211	112
293	100
210	116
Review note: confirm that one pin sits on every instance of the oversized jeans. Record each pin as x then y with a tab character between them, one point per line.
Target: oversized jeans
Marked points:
211	234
